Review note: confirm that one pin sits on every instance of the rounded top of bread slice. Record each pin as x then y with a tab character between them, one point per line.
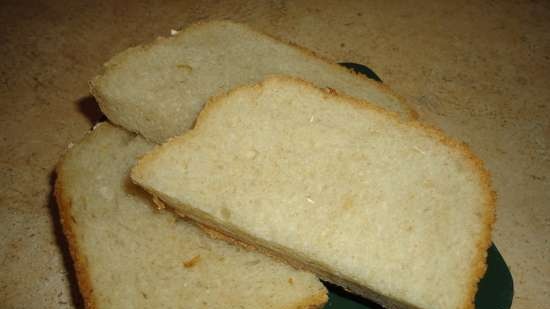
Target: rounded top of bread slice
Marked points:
362	197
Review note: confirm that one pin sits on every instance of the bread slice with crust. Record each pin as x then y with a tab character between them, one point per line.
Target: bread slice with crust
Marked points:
168	81
390	209
129	255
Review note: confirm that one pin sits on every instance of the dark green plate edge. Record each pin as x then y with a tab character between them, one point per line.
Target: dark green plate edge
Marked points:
495	289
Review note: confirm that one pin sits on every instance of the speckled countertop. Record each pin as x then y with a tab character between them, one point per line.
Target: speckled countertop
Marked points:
478	69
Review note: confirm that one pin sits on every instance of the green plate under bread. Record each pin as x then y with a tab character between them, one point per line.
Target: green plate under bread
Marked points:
495	290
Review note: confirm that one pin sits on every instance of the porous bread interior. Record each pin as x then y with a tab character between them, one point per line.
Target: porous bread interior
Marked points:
129	255
169	81
393	206
253	244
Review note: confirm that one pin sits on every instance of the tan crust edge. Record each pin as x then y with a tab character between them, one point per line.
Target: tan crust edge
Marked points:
479	264
79	261
484	242
316	301
113	62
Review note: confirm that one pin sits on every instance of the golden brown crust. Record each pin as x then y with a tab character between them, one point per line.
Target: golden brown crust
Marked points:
484	242
79	261
215	234
478	263
315	301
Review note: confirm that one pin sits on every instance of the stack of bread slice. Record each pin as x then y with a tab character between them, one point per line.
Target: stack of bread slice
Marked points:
129	254
315	167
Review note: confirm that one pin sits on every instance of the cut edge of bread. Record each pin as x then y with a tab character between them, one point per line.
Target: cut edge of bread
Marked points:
95	83
488	215
80	263
64	205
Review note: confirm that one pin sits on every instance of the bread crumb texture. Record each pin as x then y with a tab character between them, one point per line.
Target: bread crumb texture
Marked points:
128	254
390	205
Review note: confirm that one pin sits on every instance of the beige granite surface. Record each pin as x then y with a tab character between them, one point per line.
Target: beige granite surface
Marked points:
478	69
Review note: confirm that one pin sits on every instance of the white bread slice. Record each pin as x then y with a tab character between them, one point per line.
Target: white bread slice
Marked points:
169	81
129	255
389	209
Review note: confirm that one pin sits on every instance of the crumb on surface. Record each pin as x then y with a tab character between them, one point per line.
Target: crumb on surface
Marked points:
192	262
185	67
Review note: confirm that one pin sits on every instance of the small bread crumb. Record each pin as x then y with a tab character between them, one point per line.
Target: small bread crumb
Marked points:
191	262
290	280
158	203
185	67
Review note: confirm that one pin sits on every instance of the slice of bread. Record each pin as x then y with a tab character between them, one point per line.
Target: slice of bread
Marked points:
168	81
129	255
389	209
